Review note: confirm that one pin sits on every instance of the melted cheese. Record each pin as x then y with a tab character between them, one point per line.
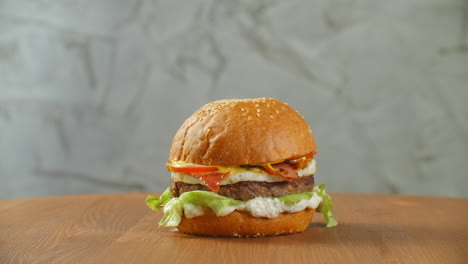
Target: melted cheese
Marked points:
239	174
222	169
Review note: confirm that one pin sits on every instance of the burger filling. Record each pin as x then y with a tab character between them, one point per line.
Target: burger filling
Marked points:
245	190
263	190
215	176
258	207
195	203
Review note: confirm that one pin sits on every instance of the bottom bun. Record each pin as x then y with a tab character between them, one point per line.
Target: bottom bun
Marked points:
241	224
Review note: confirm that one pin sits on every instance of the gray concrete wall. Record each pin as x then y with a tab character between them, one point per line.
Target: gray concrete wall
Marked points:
91	92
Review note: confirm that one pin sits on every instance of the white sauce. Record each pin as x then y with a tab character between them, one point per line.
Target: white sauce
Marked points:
191	211
254	175
260	207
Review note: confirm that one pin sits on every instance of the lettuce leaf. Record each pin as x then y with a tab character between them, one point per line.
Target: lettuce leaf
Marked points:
173	207
156	203
326	206
294	198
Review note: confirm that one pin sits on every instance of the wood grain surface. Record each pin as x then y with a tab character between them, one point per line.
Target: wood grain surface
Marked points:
121	229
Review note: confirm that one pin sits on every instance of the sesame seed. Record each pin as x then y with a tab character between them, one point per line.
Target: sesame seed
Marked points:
258	110
258	115
277	111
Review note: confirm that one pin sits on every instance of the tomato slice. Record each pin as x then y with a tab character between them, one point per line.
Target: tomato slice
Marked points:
282	170
211	180
192	169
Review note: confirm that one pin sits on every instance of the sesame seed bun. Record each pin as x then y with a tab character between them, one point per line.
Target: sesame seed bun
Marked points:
242	132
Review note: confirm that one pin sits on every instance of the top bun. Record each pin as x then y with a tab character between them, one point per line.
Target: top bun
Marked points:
242	132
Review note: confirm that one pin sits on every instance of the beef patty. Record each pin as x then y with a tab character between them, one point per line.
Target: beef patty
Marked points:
246	190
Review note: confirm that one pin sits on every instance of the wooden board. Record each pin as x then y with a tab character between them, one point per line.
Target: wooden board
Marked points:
121	229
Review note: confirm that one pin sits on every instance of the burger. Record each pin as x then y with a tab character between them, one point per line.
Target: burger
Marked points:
243	168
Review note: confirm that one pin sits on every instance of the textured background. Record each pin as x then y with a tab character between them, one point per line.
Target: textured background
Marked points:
93	91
